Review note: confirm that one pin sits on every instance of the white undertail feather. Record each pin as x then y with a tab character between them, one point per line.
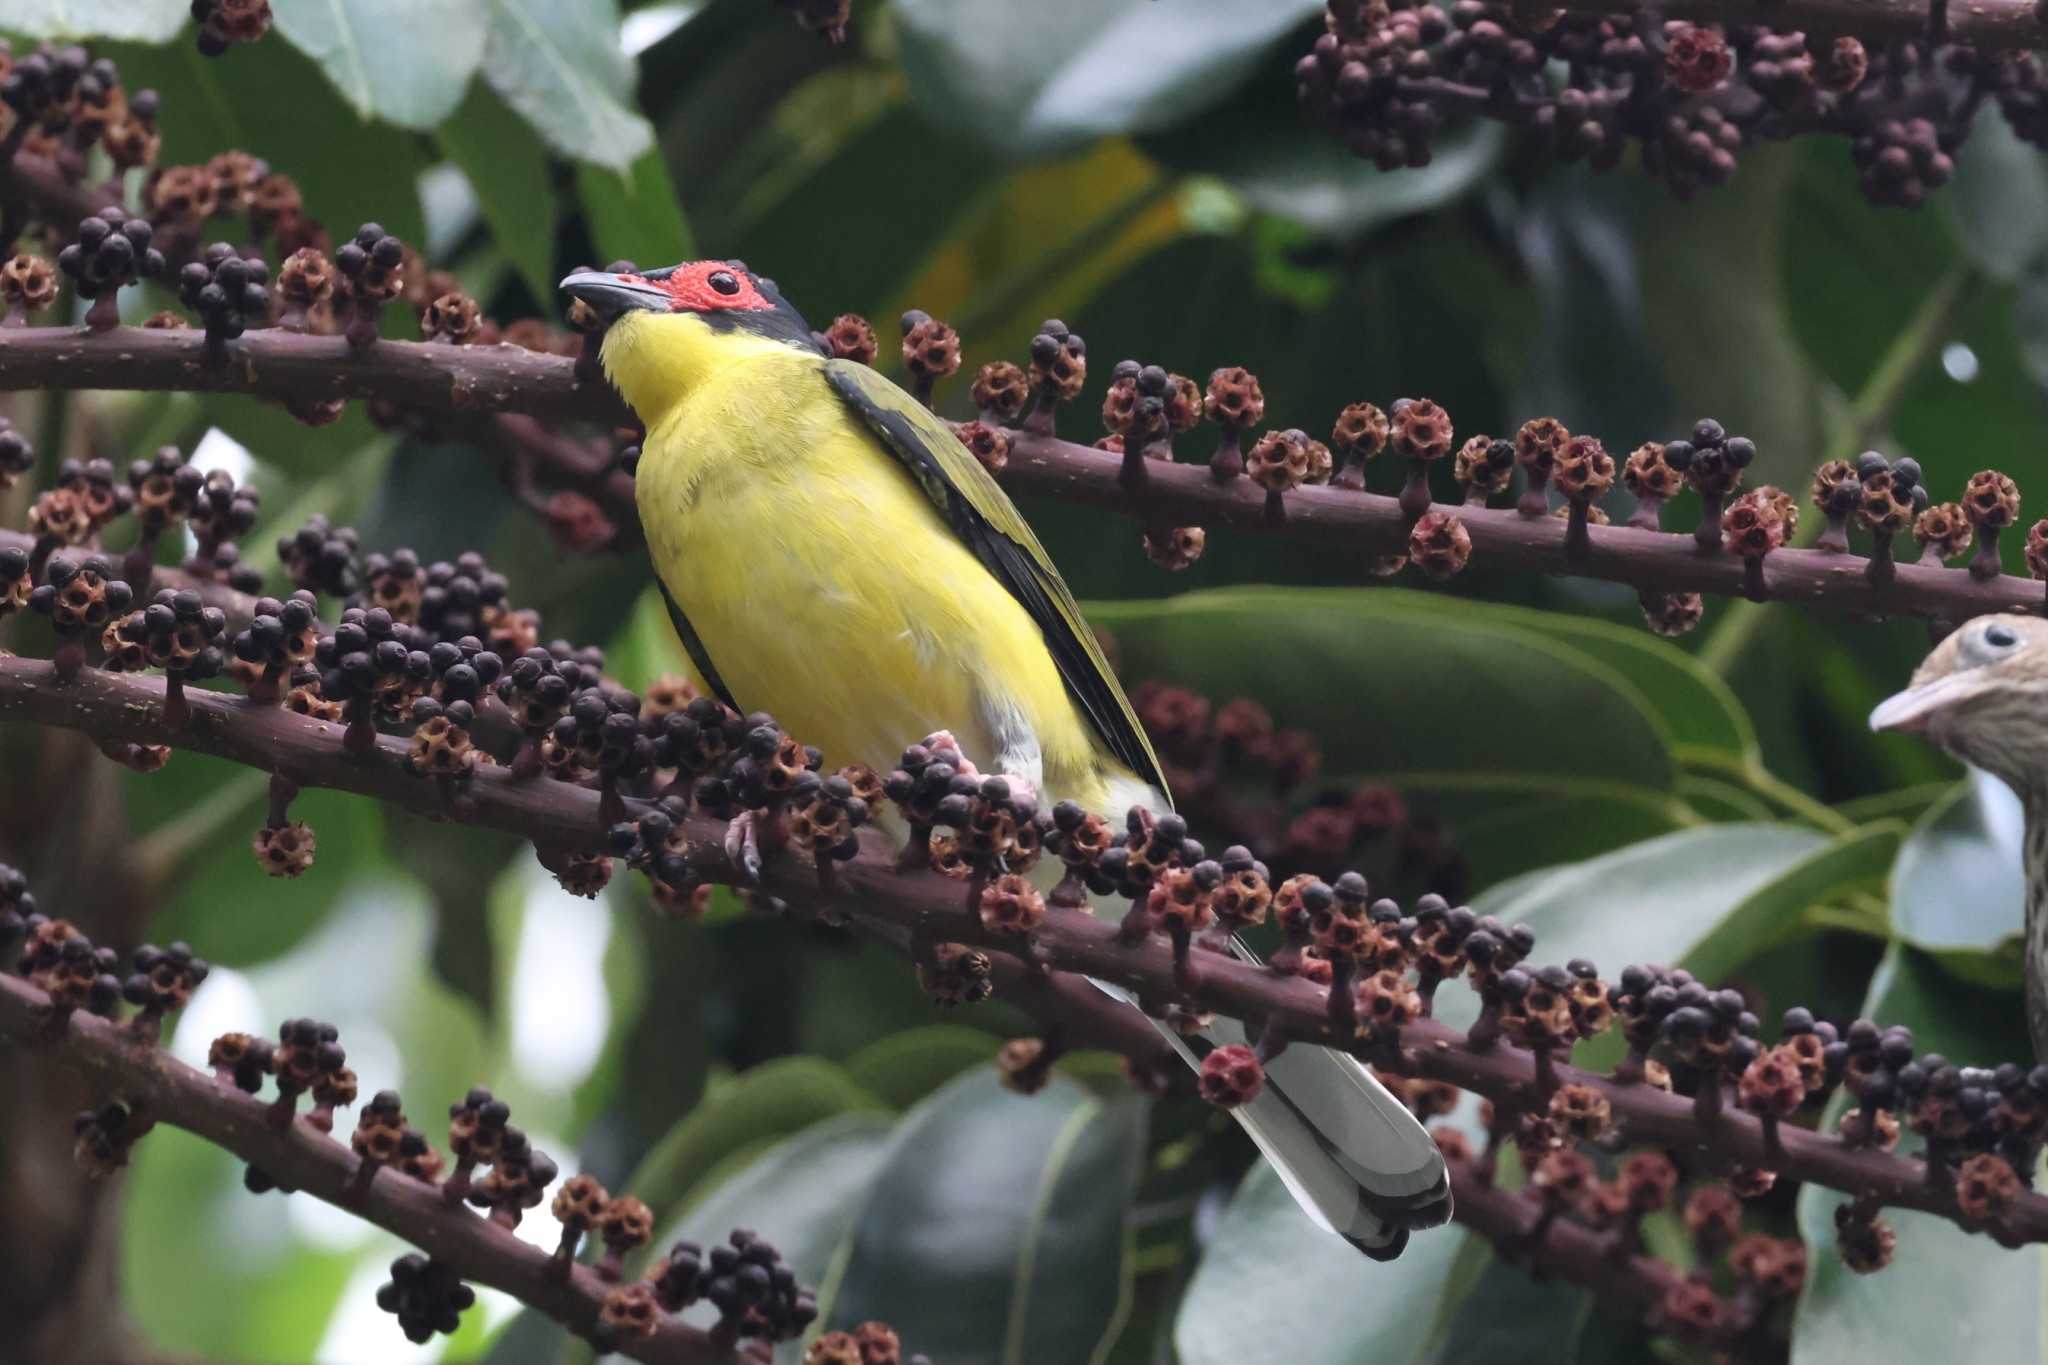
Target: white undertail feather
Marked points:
1353	1156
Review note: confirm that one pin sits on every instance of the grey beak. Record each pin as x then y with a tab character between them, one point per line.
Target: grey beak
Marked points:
612	295
1911	709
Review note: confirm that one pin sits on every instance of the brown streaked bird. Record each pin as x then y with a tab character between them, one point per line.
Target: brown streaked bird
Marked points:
1982	695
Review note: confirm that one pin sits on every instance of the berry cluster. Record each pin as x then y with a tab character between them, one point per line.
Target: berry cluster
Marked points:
1387	77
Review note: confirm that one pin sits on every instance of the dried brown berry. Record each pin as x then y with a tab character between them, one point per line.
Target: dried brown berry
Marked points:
28	284
1176	547
1024	1065
1231	1076
285	850
451	318
956	975
1713	1216
1279	461
1991	501
1421	430
1672	614
851	338
1439	544
1581	1111
1864	1240
1001	391
931	350
1842	67
1583	471
1696	58
1234	400
1943	532
631	1312
1011	905
1484	466
1691	1308
1648	475
990	445
1987	1187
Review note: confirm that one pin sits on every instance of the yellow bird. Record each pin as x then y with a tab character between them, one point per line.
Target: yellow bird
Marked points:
833	556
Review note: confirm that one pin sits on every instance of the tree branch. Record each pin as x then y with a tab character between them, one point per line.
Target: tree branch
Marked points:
874	897
303	1158
448	380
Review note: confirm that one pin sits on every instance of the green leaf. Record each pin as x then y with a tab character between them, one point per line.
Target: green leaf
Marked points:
558	63
803	1194
1957	884
509	173
271	916
1597	909
404	61
903	1068
1944	1286
994	1234
1772	912
1081	69
773	1100
1527	1320
1274	1286
1700	708
634	214
144	21
1392	683
1998	198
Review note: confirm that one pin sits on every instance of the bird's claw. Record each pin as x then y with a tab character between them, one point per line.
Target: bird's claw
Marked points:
743	845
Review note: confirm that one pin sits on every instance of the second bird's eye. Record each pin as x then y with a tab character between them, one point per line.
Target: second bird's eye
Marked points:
2001	637
724	281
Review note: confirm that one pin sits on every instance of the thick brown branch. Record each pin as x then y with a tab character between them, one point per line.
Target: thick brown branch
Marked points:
1987	24
873	896
303	1158
472	380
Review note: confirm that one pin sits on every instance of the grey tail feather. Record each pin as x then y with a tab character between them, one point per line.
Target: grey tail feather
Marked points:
1355	1159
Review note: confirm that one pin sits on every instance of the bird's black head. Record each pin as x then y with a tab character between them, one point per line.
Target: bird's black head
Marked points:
725	294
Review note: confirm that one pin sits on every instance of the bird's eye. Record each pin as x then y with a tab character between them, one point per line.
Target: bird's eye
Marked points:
2000	636
724	281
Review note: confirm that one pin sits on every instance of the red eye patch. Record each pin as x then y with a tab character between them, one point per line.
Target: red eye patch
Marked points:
708	287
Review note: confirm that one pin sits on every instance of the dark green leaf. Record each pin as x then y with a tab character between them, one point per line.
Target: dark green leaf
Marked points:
1957	883
994	1234
773	1100
1272	1286
1079	69
1944	1285
1526	1320
1598	909
634	214
1999	198
1393	683
1693	700
404	61
903	1068
803	1194
1772	912
509	172
559	64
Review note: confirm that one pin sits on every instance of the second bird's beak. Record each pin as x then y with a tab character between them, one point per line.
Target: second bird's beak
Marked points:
1912	709
613	295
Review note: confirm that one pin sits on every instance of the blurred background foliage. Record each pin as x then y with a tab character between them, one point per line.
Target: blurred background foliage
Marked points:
1139	169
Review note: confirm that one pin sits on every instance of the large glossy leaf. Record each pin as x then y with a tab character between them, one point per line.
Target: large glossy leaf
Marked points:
903	1068
1773	912
1999	198
404	61
1653	902
1527	1320
1048	77
634	214
1947	1294
509	172
146	21
772	1101
1958	882
803	1194
1274	1286
994	1234
559	64
1392	683
1700	708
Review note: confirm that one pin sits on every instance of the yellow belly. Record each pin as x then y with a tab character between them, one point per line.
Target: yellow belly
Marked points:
828	591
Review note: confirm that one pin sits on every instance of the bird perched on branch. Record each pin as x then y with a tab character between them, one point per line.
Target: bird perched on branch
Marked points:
832	555
1981	695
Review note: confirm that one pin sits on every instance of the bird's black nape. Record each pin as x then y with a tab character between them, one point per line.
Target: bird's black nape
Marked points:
782	322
